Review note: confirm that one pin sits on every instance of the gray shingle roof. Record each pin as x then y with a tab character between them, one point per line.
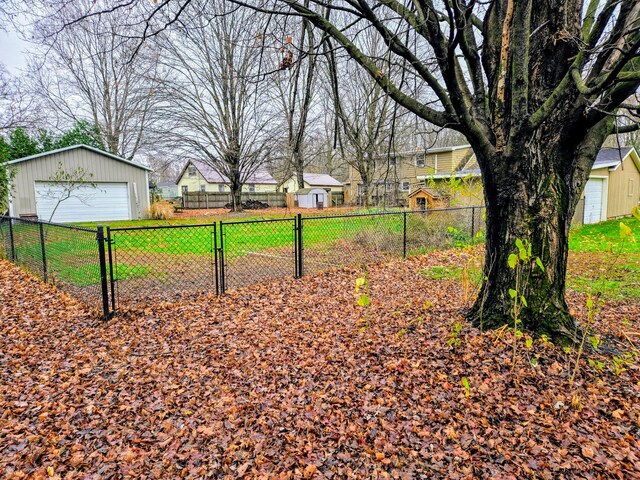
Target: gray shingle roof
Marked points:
611	157
321	179
211	176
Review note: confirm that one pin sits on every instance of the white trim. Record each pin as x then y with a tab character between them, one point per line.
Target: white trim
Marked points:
605	199
438	176
148	194
598	176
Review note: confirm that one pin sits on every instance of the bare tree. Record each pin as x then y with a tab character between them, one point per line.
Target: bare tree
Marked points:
364	112
214	97
17	107
295	87
89	72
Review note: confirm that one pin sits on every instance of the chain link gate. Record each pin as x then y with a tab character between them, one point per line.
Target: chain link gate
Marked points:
160	261
257	250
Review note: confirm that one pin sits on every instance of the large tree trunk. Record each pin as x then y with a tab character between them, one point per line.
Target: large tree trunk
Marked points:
236	196
530	195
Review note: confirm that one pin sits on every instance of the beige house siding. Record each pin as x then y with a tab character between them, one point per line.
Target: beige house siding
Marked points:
195	182
624	188
406	169
103	168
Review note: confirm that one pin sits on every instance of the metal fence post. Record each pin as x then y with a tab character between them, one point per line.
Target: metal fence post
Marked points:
221	259
103	271
12	243
111	277
473	224
45	276
404	235
300	247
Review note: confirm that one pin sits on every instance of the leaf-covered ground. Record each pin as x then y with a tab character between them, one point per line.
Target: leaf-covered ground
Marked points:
294	380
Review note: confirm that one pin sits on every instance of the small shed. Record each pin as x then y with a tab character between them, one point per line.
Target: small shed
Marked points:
424	198
312	198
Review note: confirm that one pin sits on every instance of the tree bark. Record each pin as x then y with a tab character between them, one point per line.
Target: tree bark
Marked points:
530	195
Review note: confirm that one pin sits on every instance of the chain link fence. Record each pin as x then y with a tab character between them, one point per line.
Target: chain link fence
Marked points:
114	267
62	255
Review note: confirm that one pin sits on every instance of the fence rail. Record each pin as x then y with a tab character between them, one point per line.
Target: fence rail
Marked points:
108	268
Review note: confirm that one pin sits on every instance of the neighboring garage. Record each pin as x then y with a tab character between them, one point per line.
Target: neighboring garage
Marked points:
613	188
113	188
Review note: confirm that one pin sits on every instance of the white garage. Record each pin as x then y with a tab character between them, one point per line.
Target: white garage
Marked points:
85	203
121	190
595	200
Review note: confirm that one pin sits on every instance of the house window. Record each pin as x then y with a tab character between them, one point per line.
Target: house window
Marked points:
185	189
252	187
630	188
392	161
221	188
420	161
360	189
405	186
203	188
192	171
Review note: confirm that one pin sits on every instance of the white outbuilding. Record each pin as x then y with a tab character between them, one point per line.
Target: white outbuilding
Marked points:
312	198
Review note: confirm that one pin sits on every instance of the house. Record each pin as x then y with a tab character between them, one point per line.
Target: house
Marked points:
110	188
395	176
312	198
312	180
197	176
612	190
167	190
424	198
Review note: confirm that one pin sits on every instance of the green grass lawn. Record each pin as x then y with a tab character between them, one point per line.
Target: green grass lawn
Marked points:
604	261
600	262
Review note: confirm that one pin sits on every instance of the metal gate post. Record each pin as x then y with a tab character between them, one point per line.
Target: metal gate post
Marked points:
295	247
404	235
45	277
103	271
223	287
14	257
300	247
112	282
215	258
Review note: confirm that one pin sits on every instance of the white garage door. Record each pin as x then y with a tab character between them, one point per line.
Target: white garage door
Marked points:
105	201
593	200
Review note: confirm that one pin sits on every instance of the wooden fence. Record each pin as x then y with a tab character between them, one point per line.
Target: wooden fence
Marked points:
201	200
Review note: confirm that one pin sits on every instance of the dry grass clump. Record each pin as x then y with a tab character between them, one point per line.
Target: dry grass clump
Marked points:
161	210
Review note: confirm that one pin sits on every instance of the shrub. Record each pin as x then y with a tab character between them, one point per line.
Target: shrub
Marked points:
160	210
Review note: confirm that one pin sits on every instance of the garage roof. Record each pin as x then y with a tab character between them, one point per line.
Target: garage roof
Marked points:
73	147
611	157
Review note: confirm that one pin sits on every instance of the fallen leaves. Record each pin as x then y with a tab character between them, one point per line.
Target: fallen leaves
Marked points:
285	380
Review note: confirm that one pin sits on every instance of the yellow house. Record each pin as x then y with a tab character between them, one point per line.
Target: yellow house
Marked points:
397	175
612	190
312	180
197	176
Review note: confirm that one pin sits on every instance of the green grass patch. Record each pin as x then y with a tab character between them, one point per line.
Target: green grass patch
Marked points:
602	237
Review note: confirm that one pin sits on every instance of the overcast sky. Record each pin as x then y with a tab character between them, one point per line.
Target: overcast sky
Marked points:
11	51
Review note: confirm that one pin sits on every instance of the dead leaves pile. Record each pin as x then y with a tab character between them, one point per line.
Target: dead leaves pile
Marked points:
283	381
